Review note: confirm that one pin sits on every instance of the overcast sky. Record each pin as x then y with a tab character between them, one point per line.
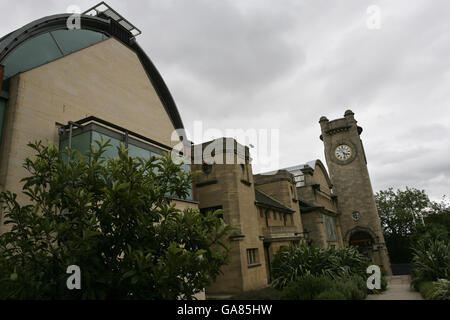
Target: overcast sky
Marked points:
284	64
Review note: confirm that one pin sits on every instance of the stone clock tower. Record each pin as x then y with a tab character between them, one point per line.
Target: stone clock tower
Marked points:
347	163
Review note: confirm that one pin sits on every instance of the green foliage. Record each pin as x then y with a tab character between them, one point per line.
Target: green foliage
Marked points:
355	287
331	294
426	289
306	287
114	219
291	263
441	290
437	227
434	290
383	282
431	260
408	216
310	287
400	211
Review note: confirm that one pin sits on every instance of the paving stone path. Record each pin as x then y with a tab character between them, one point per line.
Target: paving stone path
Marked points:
398	289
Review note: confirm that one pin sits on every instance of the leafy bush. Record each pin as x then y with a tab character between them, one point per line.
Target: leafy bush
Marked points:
383	283
354	288
290	263
431	260
331	294
349	261
114	220
323	287
441	290
426	289
307	287
437	290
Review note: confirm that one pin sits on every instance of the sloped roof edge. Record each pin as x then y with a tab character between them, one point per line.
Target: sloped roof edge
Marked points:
14	39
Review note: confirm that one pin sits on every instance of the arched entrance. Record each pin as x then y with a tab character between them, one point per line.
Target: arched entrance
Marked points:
363	241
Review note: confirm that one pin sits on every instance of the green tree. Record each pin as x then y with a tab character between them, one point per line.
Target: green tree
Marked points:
408	216
402	210
113	218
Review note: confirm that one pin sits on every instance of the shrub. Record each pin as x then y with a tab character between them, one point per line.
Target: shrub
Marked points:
306	287
354	287
441	290
290	263
426	289
349	261
383	283
311	287
431	260
437	290
113	218
331	294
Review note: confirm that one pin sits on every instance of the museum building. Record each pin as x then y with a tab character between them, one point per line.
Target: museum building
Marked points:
73	87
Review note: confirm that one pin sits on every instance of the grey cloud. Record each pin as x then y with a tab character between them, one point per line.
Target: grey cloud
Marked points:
283	64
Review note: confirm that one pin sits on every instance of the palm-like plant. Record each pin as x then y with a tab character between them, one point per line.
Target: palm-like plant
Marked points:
291	263
431	259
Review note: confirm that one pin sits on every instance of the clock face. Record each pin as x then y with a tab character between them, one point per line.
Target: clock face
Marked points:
343	152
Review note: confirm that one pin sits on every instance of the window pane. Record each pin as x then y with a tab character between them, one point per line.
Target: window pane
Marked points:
111	151
135	152
80	142
73	40
32	53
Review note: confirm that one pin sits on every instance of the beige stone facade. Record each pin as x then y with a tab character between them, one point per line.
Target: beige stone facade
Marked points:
300	204
347	162
106	80
113	80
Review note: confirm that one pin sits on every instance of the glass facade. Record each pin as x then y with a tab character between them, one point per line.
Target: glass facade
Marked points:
83	138
48	47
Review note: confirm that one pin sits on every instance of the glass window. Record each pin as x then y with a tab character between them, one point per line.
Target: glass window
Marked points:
43	48
81	142
32	53
111	151
136	152
252	256
73	40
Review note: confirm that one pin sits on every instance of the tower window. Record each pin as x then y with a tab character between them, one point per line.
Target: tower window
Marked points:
252	256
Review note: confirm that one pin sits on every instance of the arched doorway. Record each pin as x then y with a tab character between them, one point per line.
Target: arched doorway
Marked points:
363	241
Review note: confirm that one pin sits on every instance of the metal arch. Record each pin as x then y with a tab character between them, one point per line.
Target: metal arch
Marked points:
106	26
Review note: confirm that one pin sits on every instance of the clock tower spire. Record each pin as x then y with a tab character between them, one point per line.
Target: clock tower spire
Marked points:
347	163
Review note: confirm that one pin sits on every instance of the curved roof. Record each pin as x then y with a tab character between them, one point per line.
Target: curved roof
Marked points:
103	25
